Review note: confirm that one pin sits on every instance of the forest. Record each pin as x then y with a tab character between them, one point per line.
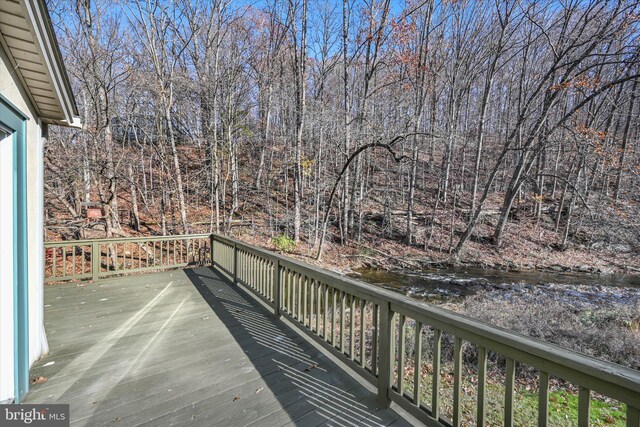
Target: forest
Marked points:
461	129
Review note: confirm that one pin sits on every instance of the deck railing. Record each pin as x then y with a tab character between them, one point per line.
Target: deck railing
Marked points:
97	259
432	362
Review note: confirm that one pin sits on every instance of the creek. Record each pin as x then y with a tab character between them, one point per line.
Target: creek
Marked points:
455	284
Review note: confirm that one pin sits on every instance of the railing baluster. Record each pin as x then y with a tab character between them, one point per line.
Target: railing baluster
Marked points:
387	357
268	285
73	265
401	351
289	292
284	284
457	380
300	286
55	256
343	300
275	266
95	260
312	304
242	266
316	290
251	267
64	261
417	363
305	300
543	400
277	287
508	392
83	261
333	316
584	404
294	294
234	254
244	270
325	319
266	279
260	276
352	320
363	338
633	416
257	274
374	339
286	297
435	384
482	384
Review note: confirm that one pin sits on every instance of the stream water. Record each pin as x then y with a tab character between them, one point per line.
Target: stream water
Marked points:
438	285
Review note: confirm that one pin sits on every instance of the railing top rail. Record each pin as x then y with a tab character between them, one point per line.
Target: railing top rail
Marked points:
87	242
542	355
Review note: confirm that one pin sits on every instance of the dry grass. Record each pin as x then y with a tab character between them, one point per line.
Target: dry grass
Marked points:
610	333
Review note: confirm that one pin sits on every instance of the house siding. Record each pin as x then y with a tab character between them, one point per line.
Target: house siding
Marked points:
12	91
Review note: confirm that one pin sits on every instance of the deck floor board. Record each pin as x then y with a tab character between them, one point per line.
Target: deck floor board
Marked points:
186	347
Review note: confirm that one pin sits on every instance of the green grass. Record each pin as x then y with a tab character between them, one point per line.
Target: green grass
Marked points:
563	409
563	405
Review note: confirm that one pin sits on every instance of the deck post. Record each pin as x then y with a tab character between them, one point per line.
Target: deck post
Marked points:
277	292
95	260
386	355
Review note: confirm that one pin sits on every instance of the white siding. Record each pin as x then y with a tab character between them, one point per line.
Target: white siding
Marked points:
11	89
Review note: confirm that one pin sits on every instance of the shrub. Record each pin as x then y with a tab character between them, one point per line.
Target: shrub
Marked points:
284	243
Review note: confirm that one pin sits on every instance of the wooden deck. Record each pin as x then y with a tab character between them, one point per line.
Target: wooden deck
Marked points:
185	347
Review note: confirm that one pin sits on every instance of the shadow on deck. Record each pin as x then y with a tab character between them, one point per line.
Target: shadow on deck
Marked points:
187	347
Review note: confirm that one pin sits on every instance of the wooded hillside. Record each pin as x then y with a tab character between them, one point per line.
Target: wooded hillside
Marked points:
444	125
